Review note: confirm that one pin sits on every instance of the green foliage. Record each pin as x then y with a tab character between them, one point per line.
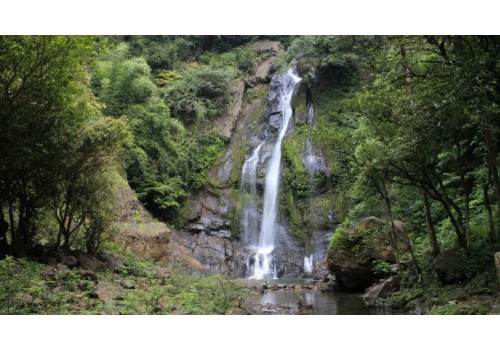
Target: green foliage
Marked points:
45	87
401	298
135	266
381	268
158	158
205	295
201	93
408	115
202	154
121	81
24	291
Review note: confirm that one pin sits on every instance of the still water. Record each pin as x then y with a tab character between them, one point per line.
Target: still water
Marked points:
323	303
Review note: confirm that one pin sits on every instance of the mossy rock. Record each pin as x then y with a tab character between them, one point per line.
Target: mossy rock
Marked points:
460	310
356	246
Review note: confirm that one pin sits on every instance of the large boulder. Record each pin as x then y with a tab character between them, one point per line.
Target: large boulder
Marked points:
354	249
108	292
149	240
112	260
136	231
87	261
377	294
449	267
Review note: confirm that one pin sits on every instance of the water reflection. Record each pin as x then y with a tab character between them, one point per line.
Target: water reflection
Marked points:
322	303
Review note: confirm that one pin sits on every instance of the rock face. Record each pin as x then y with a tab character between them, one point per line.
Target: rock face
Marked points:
449	267
354	249
136	230
212	234
210	239
149	240
224	124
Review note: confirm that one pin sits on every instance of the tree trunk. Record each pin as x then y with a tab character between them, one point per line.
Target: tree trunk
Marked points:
430	225
4	228
487	204
468	236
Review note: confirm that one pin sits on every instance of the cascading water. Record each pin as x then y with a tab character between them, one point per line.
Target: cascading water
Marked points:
308	264
249	182
263	258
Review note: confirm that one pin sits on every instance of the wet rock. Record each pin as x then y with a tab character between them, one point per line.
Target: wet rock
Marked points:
419	306
376	295
449	267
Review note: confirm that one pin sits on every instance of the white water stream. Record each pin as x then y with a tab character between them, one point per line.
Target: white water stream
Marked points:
308	264
263	255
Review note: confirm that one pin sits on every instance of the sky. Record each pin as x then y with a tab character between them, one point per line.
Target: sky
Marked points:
249	17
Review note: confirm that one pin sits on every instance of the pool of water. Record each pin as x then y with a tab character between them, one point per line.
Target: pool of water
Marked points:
332	303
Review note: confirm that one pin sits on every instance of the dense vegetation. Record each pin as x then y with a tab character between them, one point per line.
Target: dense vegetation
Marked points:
57	148
411	126
133	288
170	89
98	105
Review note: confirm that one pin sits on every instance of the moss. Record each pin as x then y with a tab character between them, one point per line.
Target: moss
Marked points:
337	243
402	297
235	215
298	223
460	310
238	158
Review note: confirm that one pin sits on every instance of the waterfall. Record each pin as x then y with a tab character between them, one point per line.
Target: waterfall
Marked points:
308	264
263	257
250	216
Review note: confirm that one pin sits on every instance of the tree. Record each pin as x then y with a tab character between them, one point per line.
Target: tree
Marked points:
79	196
46	114
43	101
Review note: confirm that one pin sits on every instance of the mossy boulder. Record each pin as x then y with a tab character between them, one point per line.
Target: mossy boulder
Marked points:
449	267
354	249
